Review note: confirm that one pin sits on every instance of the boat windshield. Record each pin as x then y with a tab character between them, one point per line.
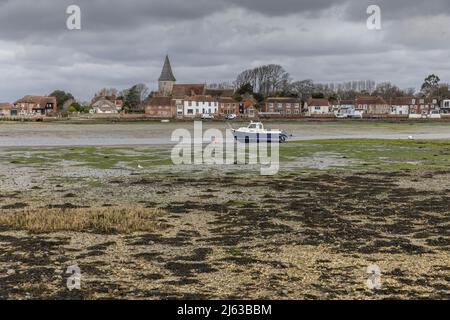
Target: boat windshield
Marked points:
255	126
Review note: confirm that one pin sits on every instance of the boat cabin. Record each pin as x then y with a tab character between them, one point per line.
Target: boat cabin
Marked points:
256	125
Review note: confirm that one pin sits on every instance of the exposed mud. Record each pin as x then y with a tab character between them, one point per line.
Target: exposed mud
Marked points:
302	236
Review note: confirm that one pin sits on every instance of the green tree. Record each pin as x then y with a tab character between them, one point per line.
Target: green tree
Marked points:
134	97
73	109
444	91
61	97
430	87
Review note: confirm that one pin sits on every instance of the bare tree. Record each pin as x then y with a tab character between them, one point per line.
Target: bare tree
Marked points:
303	89
265	79
387	90
105	92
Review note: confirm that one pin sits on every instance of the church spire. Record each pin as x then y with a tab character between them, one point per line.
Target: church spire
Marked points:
166	73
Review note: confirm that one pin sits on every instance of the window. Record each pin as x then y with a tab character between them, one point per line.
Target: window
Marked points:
190	103
190	111
317	108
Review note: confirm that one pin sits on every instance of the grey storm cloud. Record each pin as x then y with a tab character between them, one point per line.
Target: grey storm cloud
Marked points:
124	42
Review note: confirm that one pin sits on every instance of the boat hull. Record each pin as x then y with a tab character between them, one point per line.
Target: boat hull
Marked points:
259	137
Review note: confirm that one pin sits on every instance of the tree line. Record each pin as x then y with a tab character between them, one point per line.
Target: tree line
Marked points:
273	80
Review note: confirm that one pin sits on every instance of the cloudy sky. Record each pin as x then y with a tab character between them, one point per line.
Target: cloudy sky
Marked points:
124	42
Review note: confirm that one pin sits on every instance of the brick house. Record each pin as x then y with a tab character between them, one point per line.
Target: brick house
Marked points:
160	107
247	107
228	105
282	106
370	105
424	106
7	110
36	105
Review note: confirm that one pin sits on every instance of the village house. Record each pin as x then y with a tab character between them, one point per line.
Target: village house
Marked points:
200	105
370	105
315	107
247	108
160	107
35	105
7	110
445	106
228	105
106	104
421	106
402	105
282	106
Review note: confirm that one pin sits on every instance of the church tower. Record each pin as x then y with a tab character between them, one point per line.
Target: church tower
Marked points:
167	79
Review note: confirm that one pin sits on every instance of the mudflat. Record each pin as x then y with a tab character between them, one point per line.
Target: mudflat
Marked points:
140	228
154	133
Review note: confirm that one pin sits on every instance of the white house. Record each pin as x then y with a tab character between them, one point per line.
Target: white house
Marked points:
445	106
104	106
318	107
199	105
402	105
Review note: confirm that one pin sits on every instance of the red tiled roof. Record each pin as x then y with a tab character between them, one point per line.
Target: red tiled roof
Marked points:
227	100
318	102
6	106
158	101
182	90
200	98
37	100
282	100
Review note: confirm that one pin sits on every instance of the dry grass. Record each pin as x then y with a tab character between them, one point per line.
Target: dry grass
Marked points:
98	220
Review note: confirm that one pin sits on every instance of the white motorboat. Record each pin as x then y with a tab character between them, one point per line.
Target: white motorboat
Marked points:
255	132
